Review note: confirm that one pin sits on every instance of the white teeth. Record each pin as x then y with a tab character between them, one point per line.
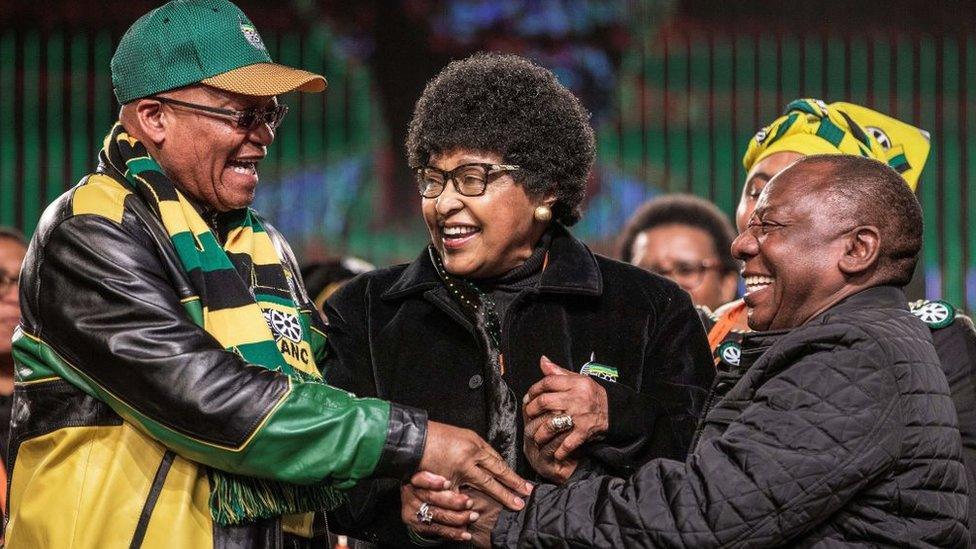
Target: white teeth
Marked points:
756	283
243	167
459	230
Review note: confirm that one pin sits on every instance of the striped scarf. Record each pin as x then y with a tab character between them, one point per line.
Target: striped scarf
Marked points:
245	301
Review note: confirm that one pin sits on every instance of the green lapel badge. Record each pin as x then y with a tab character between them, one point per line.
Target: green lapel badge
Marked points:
595	369
730	352
937	314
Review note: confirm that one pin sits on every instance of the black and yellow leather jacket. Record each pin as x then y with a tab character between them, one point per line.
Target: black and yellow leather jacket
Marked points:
120	398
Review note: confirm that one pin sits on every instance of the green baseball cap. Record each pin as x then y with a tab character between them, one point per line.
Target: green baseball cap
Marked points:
211	42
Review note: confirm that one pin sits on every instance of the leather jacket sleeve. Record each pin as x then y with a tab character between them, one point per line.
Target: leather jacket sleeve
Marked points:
660	419
106	317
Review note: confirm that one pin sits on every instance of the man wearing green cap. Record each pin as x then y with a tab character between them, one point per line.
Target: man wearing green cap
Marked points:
168	392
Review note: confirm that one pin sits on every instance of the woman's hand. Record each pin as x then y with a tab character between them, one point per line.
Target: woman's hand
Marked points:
450	511
563	393
469	515
541	457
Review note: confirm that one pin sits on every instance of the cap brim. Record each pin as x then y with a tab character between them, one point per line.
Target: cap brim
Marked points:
267	79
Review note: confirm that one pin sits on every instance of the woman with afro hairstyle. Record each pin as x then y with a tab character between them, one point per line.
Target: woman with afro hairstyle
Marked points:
506	324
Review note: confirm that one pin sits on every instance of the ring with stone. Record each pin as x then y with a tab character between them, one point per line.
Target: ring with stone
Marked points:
424	515
558	424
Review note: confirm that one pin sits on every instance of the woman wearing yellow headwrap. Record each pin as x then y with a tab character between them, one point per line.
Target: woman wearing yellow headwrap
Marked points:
809	127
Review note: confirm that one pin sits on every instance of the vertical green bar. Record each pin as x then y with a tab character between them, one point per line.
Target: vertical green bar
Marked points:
745	85
952	215
55	117
288	134
836	79
929	191
270	166
677	139
31	132
631	140
881	75
81	155
905	84
768	107
813	67
790	74
654	114
335	108
701	139
361	134
311	104
970	72
858	77
102	99
726	152
8	136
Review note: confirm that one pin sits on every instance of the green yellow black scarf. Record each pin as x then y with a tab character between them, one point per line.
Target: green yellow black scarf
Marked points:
244	300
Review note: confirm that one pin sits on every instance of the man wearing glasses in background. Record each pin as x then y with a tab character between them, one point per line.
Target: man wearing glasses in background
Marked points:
167	363
688	240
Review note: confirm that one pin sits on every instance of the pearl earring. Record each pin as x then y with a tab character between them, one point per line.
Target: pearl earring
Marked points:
542	214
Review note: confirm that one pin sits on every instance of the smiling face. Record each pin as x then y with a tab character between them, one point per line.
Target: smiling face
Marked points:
482	236
756	180
208	156
791	250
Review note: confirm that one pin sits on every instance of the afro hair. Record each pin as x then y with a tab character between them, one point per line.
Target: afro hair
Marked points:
508	105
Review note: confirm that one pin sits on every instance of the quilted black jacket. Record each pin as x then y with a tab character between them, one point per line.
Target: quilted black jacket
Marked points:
841	433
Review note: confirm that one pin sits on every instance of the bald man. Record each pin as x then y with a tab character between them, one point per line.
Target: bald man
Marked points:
841	431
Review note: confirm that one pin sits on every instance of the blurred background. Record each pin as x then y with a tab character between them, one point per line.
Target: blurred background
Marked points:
676	88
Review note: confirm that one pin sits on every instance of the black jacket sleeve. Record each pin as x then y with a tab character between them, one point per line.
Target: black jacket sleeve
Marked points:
781	463
956	346
660	419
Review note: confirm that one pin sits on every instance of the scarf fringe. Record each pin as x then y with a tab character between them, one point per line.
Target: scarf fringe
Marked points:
236	499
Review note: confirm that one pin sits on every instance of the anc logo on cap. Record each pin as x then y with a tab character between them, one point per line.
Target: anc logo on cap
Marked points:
251	34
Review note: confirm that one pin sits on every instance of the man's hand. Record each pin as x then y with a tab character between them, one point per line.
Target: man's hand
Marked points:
466	516
463	458
563	392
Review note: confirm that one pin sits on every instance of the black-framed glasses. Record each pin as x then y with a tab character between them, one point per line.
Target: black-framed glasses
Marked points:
469	179
687	274
247	120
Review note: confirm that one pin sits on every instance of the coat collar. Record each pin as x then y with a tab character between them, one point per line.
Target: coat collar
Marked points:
886	297
572	269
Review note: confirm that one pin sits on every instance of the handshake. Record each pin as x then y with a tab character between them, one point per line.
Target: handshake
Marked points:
463	482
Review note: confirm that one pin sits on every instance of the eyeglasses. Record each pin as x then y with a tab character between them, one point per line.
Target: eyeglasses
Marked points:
8	282
247	120
469	179
688	274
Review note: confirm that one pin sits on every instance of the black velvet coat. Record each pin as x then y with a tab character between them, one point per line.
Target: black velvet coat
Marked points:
396	334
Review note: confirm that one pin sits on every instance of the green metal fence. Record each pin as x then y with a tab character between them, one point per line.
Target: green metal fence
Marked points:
688	102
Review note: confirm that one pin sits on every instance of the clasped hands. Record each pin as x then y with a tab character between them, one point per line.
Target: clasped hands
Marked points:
466	506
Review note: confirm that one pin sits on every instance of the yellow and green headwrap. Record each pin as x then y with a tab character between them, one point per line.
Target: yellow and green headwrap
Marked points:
810	126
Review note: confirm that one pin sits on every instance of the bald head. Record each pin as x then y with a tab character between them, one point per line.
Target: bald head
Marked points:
862	191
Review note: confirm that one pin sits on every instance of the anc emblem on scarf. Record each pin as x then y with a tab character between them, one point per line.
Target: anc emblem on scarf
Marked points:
592	368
